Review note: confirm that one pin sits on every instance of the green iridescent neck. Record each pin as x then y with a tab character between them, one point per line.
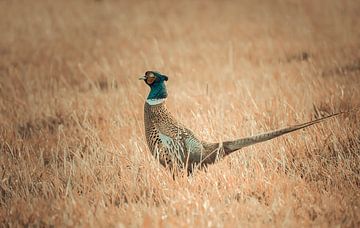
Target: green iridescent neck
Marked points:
158	91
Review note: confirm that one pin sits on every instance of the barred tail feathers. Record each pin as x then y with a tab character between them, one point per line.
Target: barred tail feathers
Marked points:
231	146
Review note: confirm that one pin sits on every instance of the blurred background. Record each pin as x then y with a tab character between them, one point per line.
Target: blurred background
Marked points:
71	111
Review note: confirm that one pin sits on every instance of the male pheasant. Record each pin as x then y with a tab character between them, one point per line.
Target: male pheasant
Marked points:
177	147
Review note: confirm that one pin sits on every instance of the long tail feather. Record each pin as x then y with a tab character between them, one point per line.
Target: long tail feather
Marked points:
231	146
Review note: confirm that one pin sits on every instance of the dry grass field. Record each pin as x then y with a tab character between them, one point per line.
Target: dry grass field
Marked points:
72	144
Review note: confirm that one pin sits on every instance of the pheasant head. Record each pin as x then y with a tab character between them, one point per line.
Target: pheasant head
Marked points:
156	82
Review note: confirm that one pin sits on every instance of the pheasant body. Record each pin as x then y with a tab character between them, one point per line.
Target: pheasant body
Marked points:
172	143
175	146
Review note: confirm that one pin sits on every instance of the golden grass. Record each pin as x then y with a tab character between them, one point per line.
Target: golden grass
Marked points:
73	150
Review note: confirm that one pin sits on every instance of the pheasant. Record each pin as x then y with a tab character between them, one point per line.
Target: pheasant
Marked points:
177	147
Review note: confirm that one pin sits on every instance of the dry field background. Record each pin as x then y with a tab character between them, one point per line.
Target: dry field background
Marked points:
72	149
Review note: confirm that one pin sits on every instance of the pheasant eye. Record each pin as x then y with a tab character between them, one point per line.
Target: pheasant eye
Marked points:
150	80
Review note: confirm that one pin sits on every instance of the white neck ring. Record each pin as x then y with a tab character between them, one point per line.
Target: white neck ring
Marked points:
155	101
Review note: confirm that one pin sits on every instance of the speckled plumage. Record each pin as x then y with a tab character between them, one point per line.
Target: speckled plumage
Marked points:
177	147
172	143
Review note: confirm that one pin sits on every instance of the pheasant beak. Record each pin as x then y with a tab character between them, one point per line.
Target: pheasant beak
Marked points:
142	78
